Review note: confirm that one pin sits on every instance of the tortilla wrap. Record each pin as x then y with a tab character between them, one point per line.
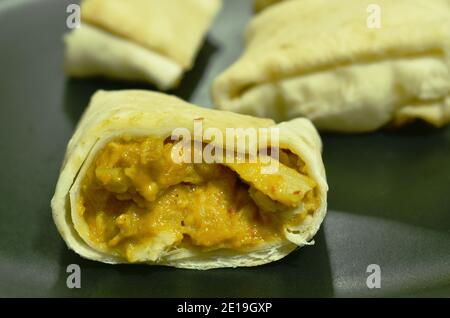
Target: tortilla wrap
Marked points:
139	114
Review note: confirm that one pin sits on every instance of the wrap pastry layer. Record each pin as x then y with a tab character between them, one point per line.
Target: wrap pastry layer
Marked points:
328	60
145	40
133	120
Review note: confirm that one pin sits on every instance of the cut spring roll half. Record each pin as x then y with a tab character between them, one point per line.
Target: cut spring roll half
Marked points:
348	65
122	197
141	40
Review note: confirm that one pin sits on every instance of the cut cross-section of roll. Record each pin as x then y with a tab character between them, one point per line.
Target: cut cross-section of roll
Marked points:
123	197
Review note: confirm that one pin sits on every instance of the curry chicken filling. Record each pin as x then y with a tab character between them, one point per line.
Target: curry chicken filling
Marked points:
137	202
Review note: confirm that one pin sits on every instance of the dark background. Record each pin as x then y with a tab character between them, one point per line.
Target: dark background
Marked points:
389	202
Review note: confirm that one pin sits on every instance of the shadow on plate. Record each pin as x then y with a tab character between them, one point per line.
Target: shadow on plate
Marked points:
413	129
304	273
78	92
416	128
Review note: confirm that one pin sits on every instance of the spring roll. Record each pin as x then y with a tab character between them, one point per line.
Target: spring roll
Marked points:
123	197
348	65
141	40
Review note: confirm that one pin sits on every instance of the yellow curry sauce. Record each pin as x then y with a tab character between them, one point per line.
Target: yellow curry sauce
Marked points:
133	192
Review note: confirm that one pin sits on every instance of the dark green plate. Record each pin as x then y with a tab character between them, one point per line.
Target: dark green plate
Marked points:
389	202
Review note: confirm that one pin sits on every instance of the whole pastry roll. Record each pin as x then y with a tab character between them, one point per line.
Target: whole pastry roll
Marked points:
123	197
348	65
154	41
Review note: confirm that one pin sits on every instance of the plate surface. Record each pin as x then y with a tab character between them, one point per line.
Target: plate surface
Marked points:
389	199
